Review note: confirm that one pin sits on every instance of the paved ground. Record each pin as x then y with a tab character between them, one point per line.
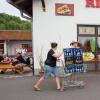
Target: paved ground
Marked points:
12	74
21	89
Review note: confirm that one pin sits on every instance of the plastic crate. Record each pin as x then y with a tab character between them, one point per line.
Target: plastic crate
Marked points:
69	68
74	68
68	52
73	56
68	56
78	55
77	51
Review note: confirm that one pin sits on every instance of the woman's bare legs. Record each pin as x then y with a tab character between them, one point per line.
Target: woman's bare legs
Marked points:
58	82
37	85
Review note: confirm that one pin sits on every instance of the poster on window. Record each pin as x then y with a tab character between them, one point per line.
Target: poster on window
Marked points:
87	30
64	9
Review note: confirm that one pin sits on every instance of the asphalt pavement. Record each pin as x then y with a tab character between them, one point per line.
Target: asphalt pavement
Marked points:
21	88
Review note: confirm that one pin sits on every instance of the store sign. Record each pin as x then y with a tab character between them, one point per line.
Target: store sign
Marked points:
93	3
64	9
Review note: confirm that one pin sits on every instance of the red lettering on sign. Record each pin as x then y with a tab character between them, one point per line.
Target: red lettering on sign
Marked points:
97	3
93	3
90	3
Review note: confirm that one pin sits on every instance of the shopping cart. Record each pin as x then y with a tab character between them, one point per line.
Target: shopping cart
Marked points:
73	67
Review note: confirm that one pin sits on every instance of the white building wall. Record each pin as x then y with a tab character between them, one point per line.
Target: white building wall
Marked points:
62	29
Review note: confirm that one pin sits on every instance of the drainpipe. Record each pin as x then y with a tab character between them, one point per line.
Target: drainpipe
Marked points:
43	5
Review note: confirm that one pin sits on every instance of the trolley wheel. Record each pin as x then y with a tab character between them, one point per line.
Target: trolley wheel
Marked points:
81	86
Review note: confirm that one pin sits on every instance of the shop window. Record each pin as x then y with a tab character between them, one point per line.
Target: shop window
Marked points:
86	30
98	30
28	47
89	38
87	43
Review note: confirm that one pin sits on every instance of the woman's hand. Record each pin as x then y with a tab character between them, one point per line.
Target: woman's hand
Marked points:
56	55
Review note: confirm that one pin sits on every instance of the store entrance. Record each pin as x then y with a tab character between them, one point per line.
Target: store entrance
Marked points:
89	38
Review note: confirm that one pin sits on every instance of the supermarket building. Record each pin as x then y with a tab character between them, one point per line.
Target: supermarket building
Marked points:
63	21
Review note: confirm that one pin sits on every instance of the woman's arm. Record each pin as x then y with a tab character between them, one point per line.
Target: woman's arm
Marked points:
56	55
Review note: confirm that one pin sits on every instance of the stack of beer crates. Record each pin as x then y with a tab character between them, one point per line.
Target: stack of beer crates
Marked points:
73	64
73	60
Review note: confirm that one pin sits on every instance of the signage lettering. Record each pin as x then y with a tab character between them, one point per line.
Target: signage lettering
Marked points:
93	3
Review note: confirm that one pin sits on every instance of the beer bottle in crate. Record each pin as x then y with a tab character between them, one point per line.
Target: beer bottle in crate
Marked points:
68	55
78	58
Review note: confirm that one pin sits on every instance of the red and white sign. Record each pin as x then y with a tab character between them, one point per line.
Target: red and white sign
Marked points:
93	3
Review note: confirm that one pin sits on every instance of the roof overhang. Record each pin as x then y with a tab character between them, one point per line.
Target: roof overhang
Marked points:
15	35
25	7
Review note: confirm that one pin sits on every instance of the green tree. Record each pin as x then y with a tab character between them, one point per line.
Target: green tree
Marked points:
2	26
8	22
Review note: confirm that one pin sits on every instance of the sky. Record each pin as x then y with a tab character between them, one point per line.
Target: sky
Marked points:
5	7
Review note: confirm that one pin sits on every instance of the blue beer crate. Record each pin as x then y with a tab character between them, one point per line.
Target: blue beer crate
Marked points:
73	52
78	55
80	68
68	52
69	68
77	52
68	56
74	68
73	56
